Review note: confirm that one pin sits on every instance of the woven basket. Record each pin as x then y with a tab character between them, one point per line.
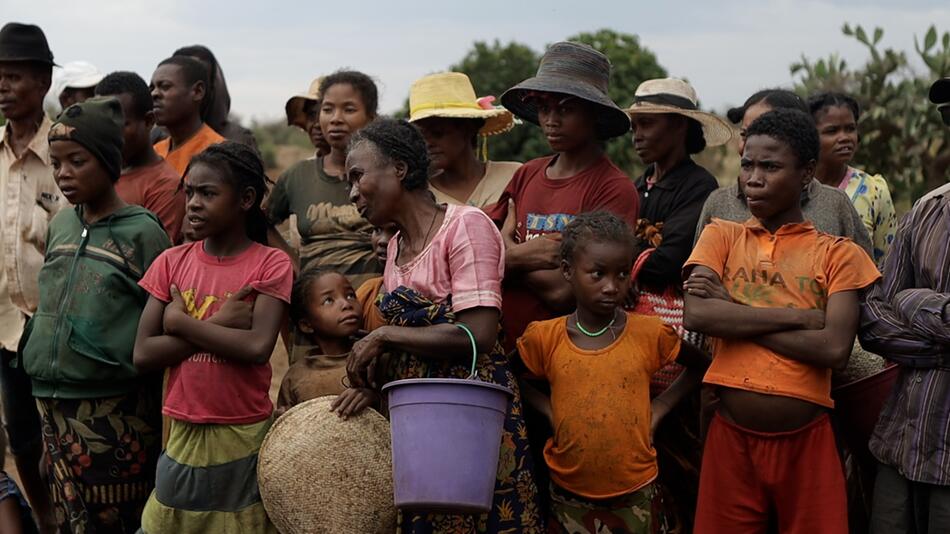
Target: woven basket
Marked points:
319	473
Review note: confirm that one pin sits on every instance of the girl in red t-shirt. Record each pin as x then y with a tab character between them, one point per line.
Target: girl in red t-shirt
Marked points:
212	320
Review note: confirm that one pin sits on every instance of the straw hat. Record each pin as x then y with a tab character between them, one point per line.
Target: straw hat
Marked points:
295	104
451	95
672	95
577	70
319	473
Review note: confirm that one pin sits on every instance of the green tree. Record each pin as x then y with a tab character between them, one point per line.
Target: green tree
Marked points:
902	136
631	64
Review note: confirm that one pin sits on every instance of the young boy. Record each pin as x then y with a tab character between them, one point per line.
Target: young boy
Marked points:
568	100
147	180
597	360
783	300
905	320
179	87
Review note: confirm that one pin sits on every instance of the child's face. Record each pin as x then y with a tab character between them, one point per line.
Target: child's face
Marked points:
79	175
213	206
567	122
380	240
838	132
599	274
174	99
332	309
771	177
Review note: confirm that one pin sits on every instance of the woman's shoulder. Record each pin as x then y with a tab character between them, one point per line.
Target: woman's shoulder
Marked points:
871	181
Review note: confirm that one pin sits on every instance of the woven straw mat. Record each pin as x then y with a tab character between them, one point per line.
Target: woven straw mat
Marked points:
321	474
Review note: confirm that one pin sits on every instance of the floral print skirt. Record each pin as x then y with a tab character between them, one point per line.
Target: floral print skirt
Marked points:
101	457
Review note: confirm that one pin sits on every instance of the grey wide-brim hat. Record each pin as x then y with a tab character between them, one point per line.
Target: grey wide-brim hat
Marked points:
576	70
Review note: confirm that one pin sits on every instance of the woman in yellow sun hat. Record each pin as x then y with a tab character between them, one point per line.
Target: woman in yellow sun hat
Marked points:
444	108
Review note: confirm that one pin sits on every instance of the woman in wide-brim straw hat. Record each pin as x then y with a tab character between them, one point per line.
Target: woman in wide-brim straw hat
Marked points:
452	120
668	128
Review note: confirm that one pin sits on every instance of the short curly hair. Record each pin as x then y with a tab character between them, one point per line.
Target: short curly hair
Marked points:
397	140
792	127
822	101
597	226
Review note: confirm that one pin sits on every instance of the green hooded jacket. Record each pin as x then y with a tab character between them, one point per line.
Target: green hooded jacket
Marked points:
78	344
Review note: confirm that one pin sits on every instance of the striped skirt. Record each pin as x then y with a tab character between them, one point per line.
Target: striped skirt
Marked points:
207	481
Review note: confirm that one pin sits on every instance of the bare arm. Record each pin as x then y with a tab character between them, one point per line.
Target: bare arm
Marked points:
726	319
829	346
537	400
696	364
439	342
153	349
254	345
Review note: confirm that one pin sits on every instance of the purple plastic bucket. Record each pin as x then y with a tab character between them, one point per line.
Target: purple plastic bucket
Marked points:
446	436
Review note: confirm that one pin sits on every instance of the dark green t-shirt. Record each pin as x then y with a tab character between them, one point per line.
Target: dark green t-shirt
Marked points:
333	235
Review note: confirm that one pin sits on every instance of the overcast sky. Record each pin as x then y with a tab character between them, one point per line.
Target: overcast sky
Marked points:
270	50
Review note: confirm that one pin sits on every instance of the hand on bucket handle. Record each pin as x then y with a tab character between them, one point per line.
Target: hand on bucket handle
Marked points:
471	337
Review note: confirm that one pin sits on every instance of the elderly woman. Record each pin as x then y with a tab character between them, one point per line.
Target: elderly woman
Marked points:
443	283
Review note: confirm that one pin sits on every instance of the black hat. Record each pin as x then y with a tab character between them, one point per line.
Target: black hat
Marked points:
24	42
97	125
940	91
577	70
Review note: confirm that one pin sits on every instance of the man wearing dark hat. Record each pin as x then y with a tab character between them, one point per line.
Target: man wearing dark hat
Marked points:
29	199
906	319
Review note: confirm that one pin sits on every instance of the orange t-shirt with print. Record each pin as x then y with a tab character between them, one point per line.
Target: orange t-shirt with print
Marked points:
797	267
601	403
181	156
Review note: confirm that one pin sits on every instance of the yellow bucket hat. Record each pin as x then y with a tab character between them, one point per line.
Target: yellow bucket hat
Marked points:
451	95
295	105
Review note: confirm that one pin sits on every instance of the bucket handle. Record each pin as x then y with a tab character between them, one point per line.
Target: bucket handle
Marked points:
471	337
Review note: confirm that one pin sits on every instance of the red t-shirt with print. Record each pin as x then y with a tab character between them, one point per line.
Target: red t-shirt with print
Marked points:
546	206
210	388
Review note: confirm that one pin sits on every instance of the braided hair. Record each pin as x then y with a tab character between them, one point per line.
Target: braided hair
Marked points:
595	227
397	140
241	167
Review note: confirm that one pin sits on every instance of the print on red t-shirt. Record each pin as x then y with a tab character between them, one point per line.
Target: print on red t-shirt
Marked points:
543	206
209	388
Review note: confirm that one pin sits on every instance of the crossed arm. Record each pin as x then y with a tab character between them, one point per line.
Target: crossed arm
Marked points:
820	338
240	331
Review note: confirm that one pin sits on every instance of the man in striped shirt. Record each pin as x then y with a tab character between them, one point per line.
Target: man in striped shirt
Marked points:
906	318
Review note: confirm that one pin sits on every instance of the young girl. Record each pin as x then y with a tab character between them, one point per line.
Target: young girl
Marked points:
836	116
324	307
199	323
598	361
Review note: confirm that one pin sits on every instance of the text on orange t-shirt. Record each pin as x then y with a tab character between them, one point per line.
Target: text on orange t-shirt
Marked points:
796	267
601	403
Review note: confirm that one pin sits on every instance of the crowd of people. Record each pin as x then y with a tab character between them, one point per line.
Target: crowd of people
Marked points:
672	346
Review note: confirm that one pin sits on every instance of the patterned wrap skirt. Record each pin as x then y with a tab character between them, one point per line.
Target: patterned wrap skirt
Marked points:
516	507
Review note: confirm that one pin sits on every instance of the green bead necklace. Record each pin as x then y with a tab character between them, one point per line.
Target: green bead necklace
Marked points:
598	333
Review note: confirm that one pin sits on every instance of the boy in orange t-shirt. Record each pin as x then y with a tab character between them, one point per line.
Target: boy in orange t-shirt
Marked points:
598	361
783	301
179	87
